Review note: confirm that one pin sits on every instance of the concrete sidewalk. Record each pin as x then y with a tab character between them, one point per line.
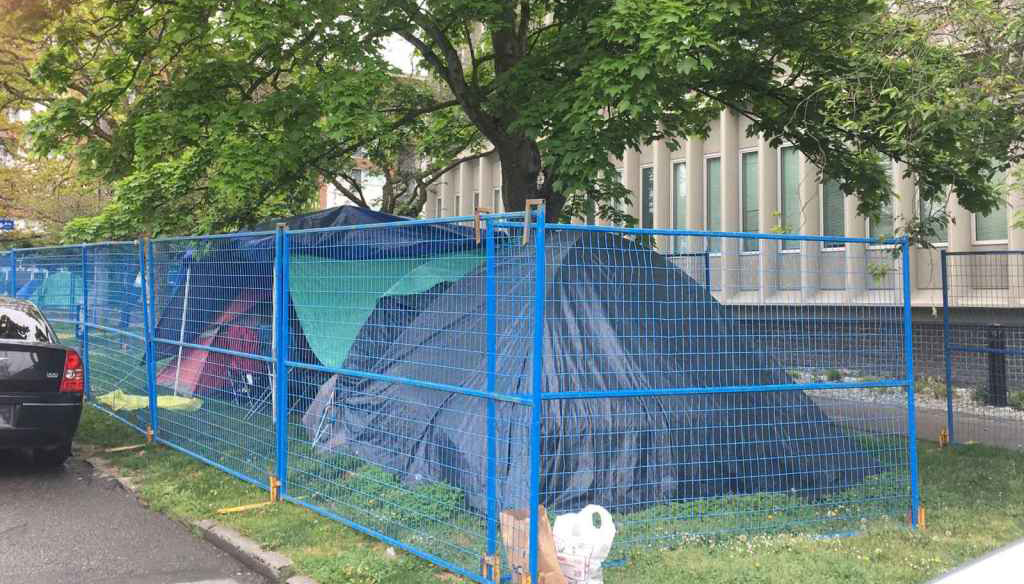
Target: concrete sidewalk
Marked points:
1003	566
72	526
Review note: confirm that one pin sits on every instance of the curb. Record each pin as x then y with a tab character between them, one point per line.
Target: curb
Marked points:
271	565
107	470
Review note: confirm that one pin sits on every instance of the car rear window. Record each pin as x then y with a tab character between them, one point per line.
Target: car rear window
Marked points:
27	324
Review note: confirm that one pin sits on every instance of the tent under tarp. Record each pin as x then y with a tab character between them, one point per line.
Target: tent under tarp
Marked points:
617	316
239	328
367	264
58	290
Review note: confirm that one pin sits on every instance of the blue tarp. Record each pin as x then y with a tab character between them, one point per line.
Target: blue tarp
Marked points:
618	316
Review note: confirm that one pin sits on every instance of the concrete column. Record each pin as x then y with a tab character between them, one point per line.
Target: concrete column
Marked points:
856	253
768	203
631	179
730	154
496	182
810	224
960	226
1015	205
485	182
695	214
905	207
448	192
663	193
465	189
960	230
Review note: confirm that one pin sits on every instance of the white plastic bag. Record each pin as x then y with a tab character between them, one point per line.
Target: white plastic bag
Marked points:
582	546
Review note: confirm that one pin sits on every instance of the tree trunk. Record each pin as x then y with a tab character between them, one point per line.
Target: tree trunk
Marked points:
520	167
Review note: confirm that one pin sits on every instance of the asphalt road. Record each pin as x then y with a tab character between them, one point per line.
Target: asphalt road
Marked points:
69	526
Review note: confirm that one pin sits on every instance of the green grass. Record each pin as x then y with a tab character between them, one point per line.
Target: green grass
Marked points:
974	497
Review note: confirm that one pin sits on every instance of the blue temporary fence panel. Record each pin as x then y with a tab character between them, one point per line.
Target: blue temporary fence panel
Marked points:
983	346
438	383
115	331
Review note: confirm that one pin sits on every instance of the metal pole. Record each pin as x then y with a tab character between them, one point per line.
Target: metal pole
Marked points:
492	434
707	272
85	321
147	327
908	350
14	273
538	379
281	356
946	333
184	319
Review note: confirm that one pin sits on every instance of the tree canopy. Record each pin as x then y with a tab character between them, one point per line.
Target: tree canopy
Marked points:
208	115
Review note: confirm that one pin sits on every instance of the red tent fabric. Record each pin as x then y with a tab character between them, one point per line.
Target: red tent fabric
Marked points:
205	372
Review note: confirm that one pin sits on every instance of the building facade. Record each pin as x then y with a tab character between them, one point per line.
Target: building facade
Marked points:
733	182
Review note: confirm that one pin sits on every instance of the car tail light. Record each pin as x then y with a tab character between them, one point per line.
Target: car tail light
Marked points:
74	373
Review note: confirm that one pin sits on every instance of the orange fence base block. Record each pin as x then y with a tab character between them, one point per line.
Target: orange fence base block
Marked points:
920	517
275	489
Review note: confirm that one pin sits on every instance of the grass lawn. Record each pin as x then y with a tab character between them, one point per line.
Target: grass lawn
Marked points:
974	498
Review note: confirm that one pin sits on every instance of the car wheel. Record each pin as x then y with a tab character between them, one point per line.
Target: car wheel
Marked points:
52	456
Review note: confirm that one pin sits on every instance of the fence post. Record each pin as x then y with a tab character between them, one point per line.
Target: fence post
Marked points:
280	334
538	377
13	286
492	448
147	326
908	350
996	342
85	321
946	332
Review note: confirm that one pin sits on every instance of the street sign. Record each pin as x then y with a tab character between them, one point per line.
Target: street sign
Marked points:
6	224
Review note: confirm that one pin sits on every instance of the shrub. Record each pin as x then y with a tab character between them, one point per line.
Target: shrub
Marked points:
1016	399
932	387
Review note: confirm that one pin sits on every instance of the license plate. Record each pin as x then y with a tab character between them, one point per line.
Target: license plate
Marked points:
6	416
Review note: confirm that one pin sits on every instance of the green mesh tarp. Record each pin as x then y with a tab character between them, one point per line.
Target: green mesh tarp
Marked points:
333	298
60	290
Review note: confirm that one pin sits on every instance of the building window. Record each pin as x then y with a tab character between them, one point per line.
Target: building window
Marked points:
928	209
679	201
498	203
883	227
749	199
713	198
991	228
789	194
833	213
476	201
437	207
458	206
647	197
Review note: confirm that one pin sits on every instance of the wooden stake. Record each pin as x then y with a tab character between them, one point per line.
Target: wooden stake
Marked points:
242	508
